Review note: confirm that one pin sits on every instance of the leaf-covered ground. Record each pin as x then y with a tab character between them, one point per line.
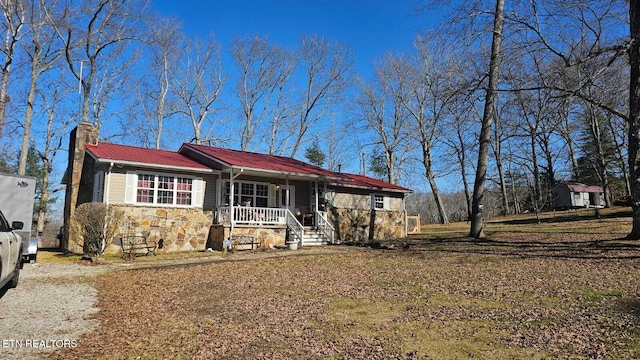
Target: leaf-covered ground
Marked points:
556	290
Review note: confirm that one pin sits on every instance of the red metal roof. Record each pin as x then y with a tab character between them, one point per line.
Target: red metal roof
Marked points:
132	154
258	161
266	162
365	181
578	187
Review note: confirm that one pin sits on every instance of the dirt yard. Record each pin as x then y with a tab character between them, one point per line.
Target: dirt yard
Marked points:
560	289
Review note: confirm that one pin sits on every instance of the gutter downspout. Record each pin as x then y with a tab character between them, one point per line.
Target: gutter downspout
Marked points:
106	184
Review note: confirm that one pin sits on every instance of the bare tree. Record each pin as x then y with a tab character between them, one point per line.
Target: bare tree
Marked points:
634	115
339	145
43	54
383	113
13	21
477	221
164	43
428	94
264	71
460	138
198	80
325	70
55	130
95	29
98	28
110	88
281	124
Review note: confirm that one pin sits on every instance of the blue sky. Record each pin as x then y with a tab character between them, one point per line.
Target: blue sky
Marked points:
368	28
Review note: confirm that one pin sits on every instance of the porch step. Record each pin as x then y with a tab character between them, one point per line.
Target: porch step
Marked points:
313	238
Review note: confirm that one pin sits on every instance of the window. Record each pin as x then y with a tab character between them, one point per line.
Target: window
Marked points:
146	186
4	224
255	194
262	195
246	195
165	189
378	202
162	190
184	190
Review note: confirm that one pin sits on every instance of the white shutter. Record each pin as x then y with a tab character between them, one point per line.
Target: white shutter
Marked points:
386	203
130	188
98	187
198	185
273	195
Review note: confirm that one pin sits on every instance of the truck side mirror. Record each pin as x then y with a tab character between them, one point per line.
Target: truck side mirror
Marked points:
17	225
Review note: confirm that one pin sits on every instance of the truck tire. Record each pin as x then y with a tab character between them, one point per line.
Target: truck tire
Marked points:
13	283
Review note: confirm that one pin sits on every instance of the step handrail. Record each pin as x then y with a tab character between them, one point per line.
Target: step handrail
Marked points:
325	226
297	230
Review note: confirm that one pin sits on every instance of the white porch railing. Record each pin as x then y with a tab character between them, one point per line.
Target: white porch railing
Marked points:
325	226
248	215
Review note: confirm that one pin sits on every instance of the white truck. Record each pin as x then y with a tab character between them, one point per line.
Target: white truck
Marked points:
11	248
17	194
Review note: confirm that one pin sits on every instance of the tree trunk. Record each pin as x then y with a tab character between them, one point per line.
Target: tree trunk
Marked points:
477	220
3	95
44	199
619	157
28	116
444	219
503	185
572	150
497	153
537	198
634	114
465	182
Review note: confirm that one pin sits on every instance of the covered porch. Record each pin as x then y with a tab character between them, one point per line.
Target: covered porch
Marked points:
281	201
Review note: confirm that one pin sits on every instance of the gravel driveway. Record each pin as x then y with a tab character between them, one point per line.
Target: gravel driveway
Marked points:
50	308
54	303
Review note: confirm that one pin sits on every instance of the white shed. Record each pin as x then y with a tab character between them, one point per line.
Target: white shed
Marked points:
571	195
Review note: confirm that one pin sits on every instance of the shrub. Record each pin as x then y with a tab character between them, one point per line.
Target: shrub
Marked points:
93	226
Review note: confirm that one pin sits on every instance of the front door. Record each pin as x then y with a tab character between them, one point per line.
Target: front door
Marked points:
282	198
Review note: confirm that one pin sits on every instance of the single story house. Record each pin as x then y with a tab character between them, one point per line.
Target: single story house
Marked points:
571	195
200	196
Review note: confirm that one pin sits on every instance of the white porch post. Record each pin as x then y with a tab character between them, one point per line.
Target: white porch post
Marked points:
316	197
231	198
219	191
287	203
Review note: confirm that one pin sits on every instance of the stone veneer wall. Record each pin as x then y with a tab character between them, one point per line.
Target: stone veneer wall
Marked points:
354	225
182	229
266	236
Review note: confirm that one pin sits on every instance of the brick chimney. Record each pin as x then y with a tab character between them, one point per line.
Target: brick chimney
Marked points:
79	137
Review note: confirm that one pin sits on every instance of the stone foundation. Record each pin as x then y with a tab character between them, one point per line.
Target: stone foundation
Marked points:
181	229
267	237
356	225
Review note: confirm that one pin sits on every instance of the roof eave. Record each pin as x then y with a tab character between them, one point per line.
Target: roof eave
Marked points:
376	188
156	166
202	153
280	172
